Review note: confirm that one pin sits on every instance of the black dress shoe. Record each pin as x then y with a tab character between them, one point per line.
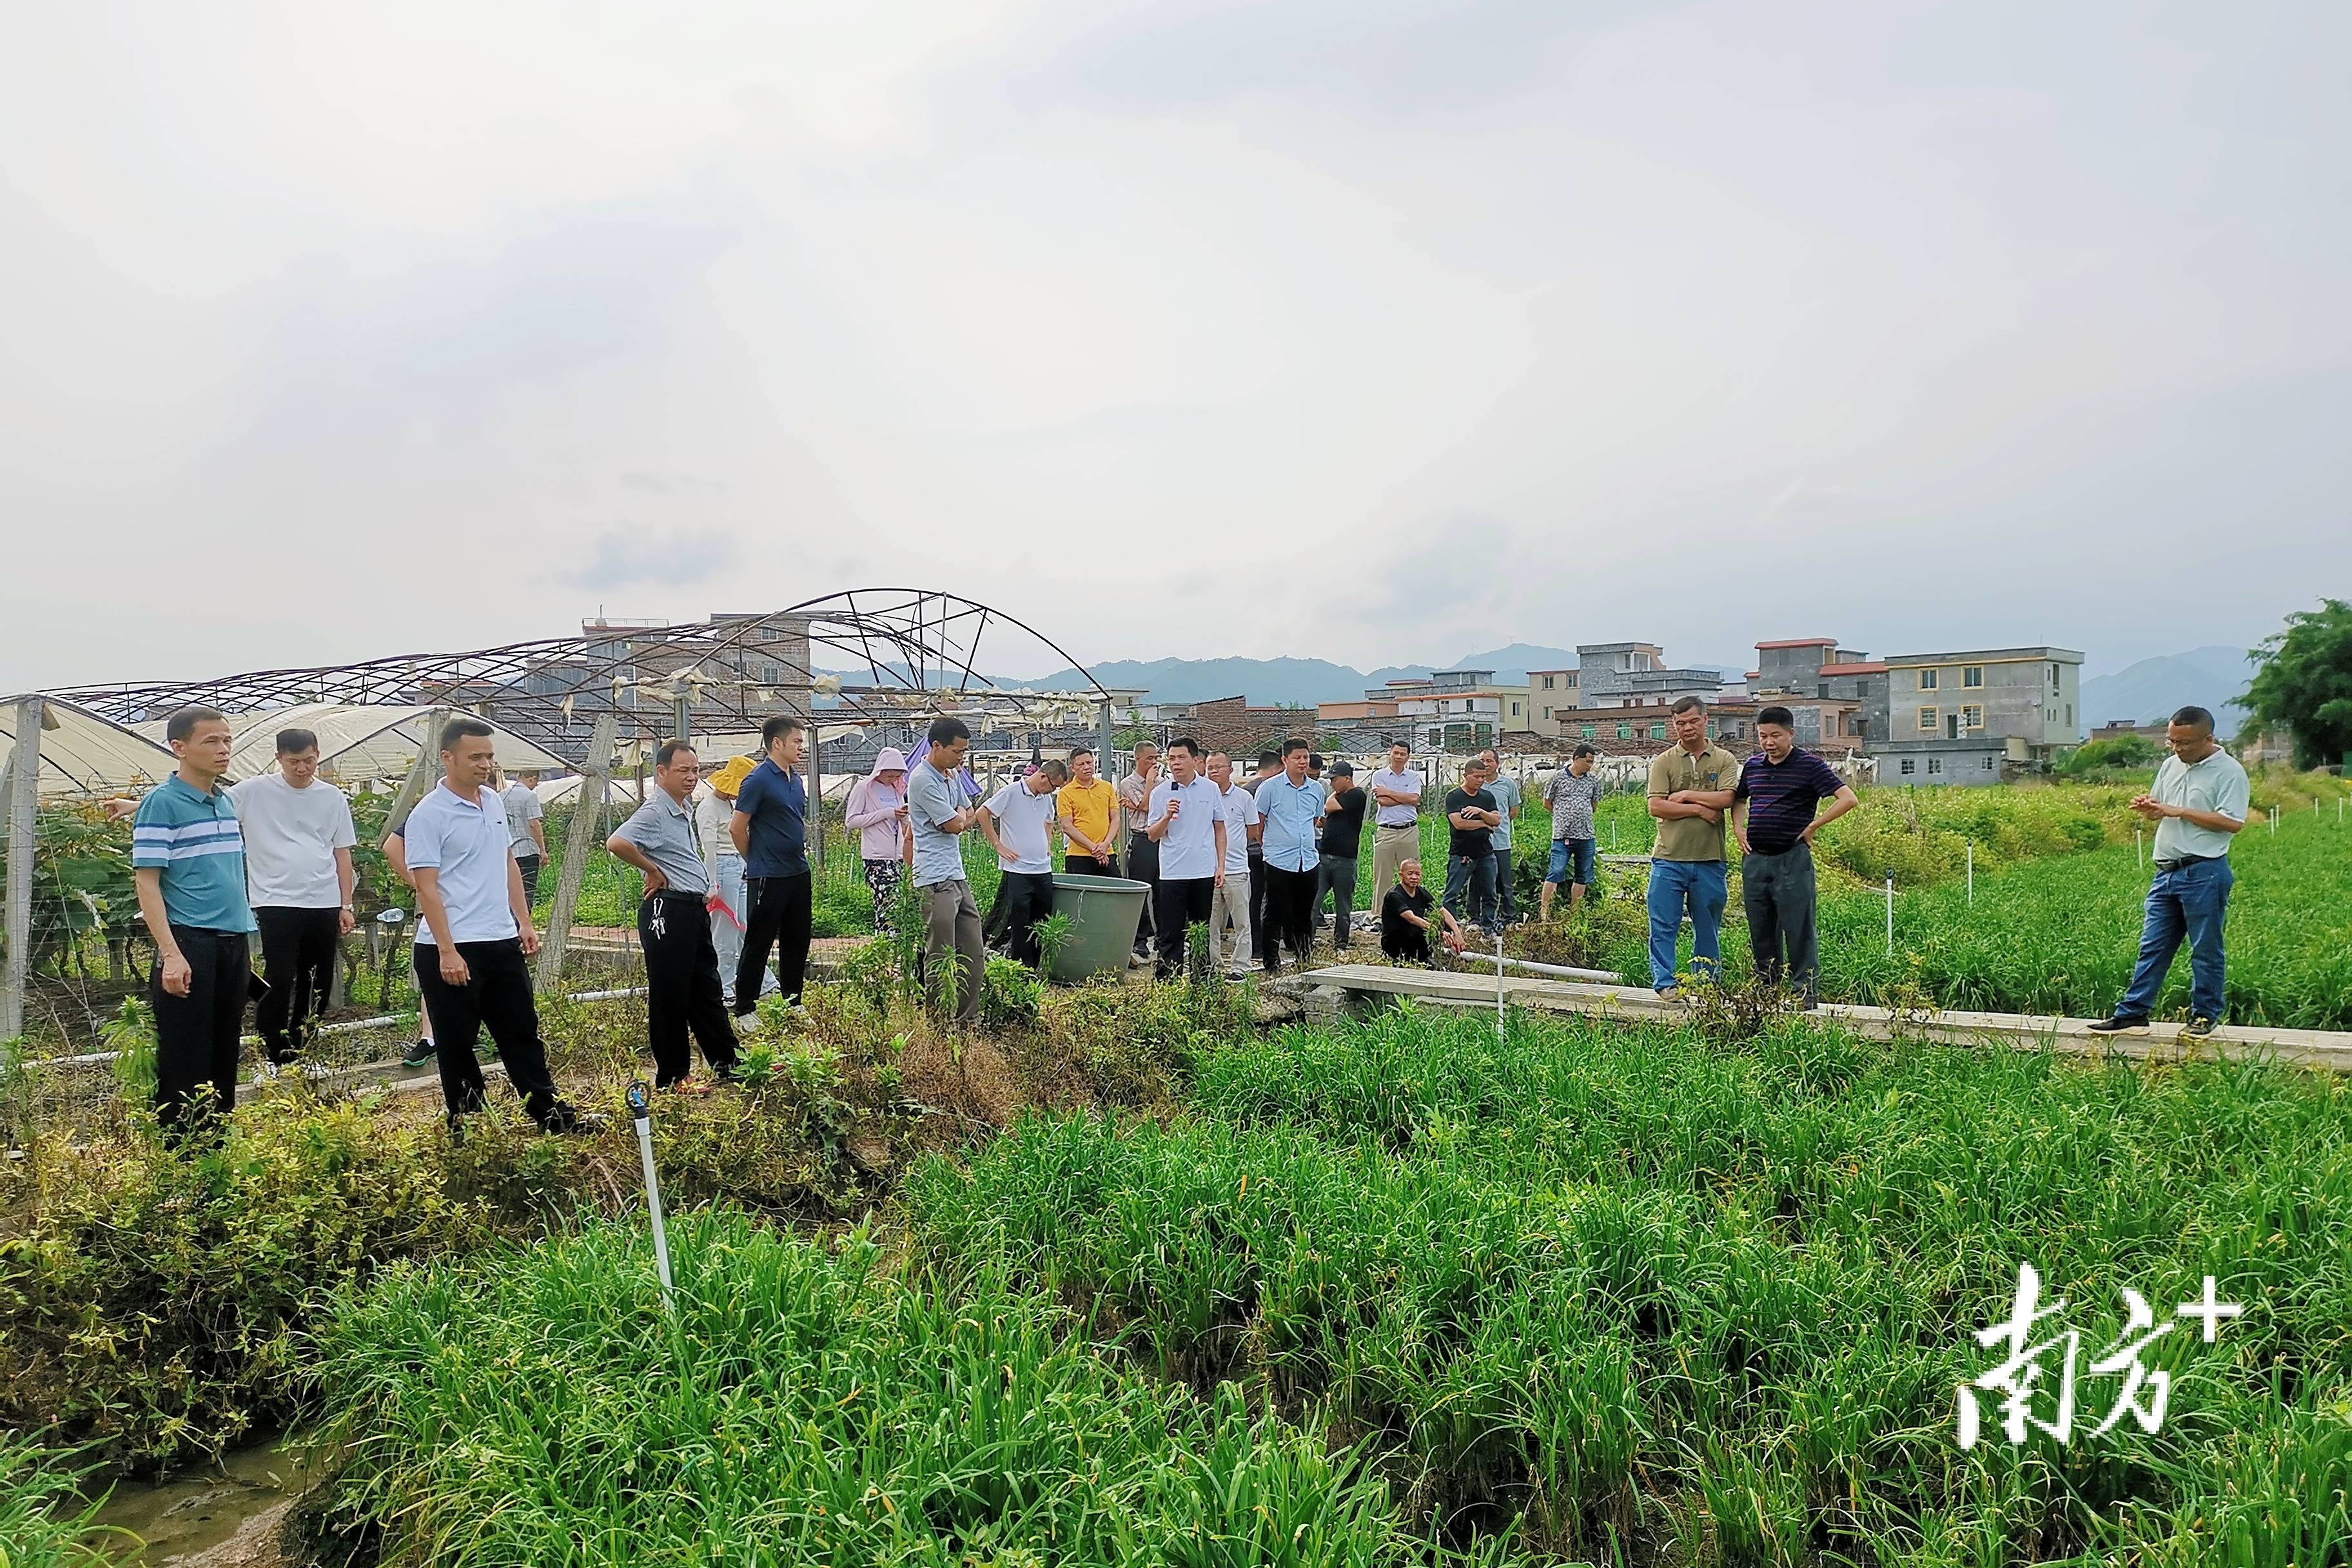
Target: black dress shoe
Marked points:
2118	1026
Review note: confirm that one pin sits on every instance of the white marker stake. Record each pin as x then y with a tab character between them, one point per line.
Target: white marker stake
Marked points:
2275	822
641	1108
2139	847
1972	873
1890	914
1498	985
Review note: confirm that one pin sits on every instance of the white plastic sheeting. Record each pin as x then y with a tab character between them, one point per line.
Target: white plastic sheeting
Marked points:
358	743
83	754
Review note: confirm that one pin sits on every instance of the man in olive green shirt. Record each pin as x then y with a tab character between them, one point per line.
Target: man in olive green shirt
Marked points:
1690	793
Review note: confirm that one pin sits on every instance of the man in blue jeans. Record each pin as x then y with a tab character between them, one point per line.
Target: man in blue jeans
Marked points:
1691	787
2198	804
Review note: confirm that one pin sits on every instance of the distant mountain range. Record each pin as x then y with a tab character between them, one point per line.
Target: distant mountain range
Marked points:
1296	682
2153	689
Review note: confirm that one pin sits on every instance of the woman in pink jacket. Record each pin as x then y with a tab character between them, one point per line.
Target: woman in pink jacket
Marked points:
877	814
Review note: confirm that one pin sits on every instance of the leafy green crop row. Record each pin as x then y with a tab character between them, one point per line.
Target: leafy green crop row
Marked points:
808	1404
1659	1300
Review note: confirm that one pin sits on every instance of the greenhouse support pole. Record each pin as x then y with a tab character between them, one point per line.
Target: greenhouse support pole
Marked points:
1105	768
421	776
24	808
587	810
812	827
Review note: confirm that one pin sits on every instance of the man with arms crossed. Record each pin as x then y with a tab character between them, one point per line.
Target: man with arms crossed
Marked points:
1691	786
770	830
682	989
1471	818
475	934
1018	823
188	862
1396	817
1781	787
1343	840
298	877
1187	824
1573	794
953	951
2198	804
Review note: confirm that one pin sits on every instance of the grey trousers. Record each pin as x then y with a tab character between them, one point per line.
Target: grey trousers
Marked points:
952	944
1338	874
1777	890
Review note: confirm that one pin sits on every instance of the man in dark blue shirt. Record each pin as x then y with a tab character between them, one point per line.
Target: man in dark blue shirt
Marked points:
770	830
1772	812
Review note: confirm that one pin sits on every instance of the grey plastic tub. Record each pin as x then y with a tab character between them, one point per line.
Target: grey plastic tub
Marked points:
1105	913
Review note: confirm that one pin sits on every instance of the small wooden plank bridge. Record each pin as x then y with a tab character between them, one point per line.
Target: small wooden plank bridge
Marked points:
1355	985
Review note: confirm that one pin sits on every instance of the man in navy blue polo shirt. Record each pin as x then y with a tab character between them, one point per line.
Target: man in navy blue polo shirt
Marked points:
1772	813
770	830
188	861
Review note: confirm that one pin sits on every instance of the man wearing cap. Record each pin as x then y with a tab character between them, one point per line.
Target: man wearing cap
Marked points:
682	987
1018	823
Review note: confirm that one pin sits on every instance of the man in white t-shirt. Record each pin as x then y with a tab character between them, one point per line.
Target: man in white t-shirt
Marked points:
1186	819
1017	821
298	874
1229	908
525	816
474	934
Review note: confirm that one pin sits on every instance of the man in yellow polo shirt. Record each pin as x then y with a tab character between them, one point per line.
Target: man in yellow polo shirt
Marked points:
1691	787
1087	809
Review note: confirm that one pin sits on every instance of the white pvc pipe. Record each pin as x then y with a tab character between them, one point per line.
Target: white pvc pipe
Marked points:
1596	976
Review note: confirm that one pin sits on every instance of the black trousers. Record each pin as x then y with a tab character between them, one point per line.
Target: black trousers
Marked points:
497	997
298	958
776	914
1257	902
196	1034
529	866
682	989
1143	866
1087	866
1027	898
1180	903
1289	914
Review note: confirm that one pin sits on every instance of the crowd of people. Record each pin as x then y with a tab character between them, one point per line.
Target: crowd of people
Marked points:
1260	862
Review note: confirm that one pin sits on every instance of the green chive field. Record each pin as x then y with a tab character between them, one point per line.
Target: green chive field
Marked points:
1399	1292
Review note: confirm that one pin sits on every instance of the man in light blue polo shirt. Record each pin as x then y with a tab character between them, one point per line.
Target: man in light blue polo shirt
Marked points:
937	810
473	933
1290	812
2198	803
187	863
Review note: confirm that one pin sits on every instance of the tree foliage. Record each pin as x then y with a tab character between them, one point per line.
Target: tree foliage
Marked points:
2305	684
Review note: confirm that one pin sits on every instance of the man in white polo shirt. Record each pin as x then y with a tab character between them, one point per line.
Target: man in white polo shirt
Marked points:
297	876
475	933
1186	819
1017	821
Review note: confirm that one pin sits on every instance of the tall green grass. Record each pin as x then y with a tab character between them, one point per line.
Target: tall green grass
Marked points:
1657	1300
44	1523
811	1403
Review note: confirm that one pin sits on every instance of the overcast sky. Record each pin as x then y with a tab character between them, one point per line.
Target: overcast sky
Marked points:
1347	329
